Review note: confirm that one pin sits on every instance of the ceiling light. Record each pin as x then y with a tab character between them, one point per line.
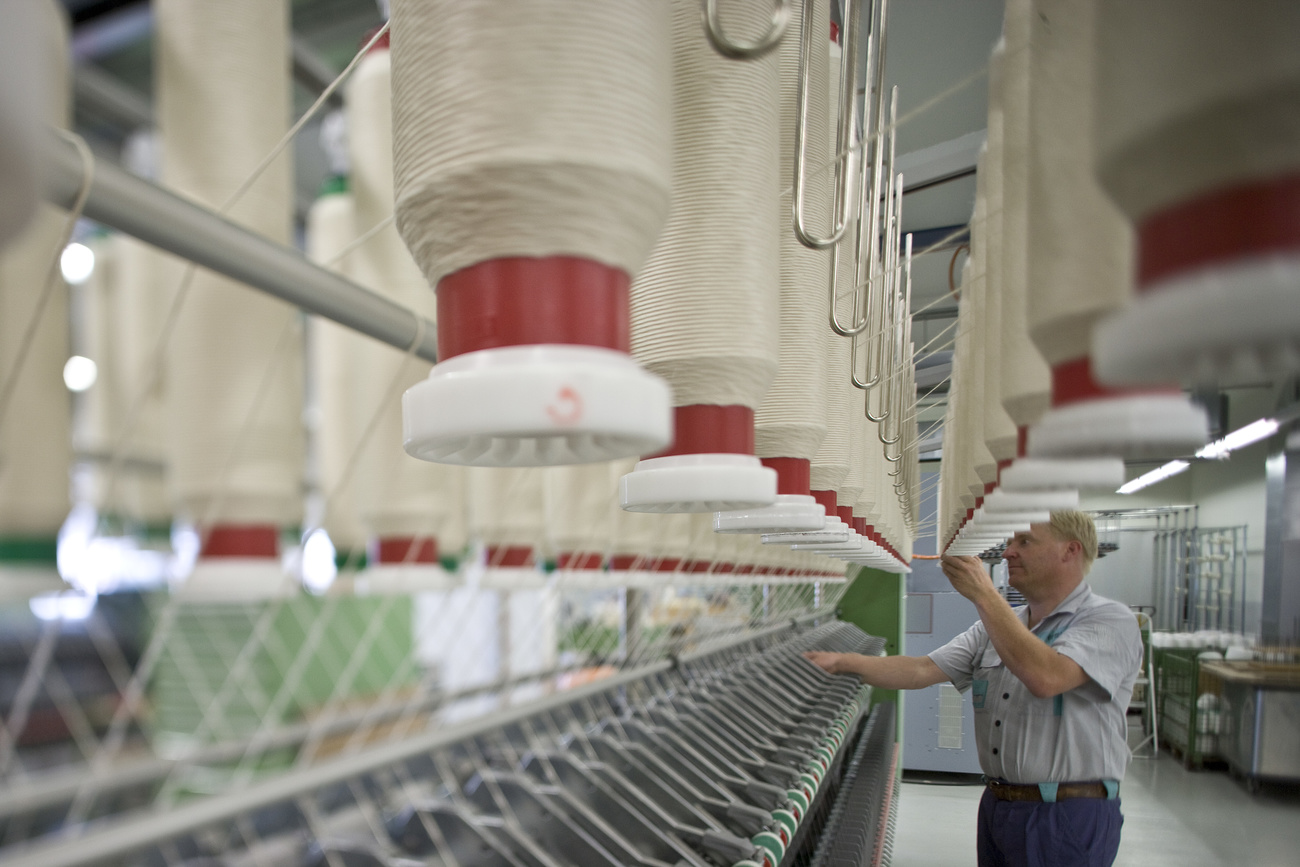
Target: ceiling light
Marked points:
79	373
77	263
1159	474
1240	438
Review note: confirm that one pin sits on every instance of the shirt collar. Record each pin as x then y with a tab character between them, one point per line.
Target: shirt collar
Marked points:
1077	599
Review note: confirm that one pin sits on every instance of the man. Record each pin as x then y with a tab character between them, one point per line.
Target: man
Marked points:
1050	683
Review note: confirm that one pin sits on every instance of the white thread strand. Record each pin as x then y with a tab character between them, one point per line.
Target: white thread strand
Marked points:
525	129
791	421
704	310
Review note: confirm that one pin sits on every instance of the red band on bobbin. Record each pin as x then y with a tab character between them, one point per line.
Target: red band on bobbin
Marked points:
624	562
1002	465
381	44
241	540
703	429
579	560
1248	220
860	524
724	568
407	549
525	301
793	475
506	556
668	564
697	566
1072	382
828	502
845	513
1022	440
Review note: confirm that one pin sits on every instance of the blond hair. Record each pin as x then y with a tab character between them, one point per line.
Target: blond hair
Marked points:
1070	525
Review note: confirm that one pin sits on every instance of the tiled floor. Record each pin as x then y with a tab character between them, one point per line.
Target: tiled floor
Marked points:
1172	817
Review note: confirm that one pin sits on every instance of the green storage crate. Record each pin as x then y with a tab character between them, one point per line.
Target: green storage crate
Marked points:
1186	727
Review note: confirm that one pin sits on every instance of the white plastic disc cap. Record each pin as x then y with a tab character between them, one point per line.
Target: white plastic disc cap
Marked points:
1132	426
1001	500
698	483
790	513
536	406
1233	322
1077	474
833	530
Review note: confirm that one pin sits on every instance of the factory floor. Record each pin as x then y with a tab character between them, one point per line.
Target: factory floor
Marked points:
1172	816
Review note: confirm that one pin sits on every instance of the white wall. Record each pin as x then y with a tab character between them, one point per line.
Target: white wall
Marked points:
1227	493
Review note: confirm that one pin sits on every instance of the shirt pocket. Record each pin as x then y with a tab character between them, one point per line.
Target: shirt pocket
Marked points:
989	659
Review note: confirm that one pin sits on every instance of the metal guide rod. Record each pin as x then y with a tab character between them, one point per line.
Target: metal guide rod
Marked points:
172	223
104	844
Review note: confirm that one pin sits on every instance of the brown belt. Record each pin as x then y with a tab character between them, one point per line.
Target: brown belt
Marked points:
1031	791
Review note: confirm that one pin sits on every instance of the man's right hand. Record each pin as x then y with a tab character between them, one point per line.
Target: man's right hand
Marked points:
832	663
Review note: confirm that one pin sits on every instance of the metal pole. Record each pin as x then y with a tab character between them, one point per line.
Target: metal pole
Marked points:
169	222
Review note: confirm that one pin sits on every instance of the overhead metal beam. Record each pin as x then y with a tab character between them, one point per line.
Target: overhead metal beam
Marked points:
101	94
169	222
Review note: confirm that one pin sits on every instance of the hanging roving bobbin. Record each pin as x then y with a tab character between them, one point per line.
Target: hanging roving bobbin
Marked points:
1080	255
1198	141
705	309
532	154
331	227
234	387
791	423
1026	387
412	510
35	448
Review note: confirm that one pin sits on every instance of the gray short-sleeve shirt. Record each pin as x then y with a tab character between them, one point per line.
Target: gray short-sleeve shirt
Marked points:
1076	736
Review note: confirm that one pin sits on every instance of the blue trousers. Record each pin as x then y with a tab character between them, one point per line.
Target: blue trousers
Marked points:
1077	832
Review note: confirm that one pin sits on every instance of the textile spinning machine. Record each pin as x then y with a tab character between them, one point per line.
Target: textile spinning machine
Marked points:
742	754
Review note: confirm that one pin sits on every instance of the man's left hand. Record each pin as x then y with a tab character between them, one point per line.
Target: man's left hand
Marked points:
967	576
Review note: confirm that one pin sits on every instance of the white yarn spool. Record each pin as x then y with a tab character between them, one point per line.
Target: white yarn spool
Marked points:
532	155
1000	435
1026	389
401	498
35	441
861	432
529	130
791	421
983	466
1080	259
331	226
1199	142
223	104
831	463
705	309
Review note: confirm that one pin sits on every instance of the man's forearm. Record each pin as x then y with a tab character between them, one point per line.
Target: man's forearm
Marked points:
1040	668
893	672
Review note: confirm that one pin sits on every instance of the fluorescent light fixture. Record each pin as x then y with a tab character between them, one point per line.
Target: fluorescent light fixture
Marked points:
1240	438
1159	474
80	373
77	262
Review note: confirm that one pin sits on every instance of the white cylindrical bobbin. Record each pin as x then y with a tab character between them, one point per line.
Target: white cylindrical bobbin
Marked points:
532	152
